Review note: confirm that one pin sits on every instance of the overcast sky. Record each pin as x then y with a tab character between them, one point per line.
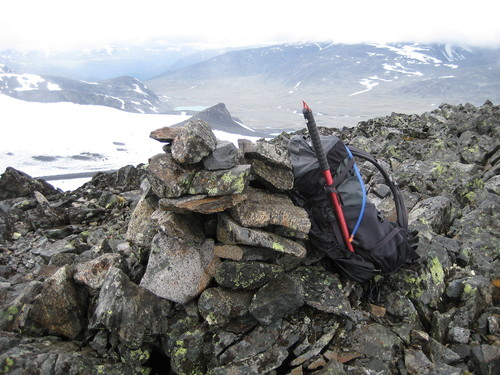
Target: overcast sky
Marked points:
63	24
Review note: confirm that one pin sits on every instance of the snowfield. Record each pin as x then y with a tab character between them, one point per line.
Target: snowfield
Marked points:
47	139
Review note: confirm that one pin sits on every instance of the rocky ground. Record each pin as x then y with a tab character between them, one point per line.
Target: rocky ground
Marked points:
198	262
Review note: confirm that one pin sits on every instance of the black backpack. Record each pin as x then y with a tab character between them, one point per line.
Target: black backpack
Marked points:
380	246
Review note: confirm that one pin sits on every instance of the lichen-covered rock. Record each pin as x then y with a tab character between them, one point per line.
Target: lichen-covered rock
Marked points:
424	286
433	213
179	271
194	141
246	275
218	306
187	228
93	272
201	203
223	157
167	178
122	304
262	209
141	227
271	165
323	290
58	307
278	298
15	184
230	232
221	182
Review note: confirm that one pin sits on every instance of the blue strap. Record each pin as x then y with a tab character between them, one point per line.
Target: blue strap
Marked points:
363	190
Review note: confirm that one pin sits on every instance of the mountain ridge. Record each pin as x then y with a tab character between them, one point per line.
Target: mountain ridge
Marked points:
125	93
359	80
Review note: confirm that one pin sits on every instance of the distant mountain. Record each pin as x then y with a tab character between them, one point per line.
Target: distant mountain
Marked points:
142	62
124	93
219	118
342	82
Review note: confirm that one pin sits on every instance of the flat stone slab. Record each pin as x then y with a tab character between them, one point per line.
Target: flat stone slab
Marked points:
230	232
262	209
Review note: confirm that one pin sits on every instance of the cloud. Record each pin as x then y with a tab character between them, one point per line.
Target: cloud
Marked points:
64	24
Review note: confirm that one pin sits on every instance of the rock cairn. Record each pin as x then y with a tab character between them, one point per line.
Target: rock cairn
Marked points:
198	262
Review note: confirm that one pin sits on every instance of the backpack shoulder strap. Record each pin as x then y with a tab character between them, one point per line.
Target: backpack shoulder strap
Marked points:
396	193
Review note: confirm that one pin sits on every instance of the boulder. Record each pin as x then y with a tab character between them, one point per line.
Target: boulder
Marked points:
93	272
221	182
59	308
194	141
179	271
167	178
278	298
15	184
218	306
262	209
223	157
121	304
141	227
271	165
246	275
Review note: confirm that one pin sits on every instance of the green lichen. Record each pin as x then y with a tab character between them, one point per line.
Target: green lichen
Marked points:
439	168
436	270
469	289
12	310
7	364
278	247
139	355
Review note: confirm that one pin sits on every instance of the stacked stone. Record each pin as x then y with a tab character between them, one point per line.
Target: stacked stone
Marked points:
215	211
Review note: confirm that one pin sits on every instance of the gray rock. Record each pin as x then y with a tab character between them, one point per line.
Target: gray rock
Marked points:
323	290
221	182
230	232
262	209
194	141
376	342
201	203
261	363
246	275
58	307
179	271
122	304
167	178
279	297
417	363
259	351
52	249
218	306
187	228
434	213
15	184
271	165
48	355
223	157
459	335
93	273
486	359
141	227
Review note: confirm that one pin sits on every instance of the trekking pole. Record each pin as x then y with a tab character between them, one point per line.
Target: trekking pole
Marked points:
327	174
